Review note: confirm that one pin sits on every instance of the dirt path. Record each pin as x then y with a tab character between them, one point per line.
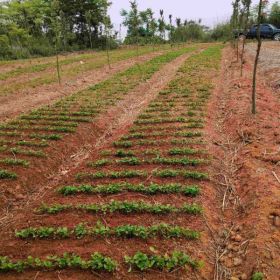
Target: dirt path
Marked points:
48	94
89	137
269	64
245	172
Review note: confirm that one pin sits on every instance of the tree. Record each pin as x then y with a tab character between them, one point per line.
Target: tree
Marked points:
161	24
274	17
108	27
246	8
171	29
56	26
235	23
262	4
133	21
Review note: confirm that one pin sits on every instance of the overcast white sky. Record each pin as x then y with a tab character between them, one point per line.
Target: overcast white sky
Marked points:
210	11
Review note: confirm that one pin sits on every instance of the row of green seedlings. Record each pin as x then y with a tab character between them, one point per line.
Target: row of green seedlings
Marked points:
101	230
177	151
158	143
35	68
133	161
150	189
124	207
121	83
100	263
164	173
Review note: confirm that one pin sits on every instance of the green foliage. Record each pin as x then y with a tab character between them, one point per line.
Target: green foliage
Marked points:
129	161
111	175
28	27
100	230
4	174
274	17
151	189
11	161
257	276
184	151
123	144
97	262
177	161
99	163
167	262
124	154
125	207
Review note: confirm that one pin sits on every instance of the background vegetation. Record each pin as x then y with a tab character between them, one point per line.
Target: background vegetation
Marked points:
45	27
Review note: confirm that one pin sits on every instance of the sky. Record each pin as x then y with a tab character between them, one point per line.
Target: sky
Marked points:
210	11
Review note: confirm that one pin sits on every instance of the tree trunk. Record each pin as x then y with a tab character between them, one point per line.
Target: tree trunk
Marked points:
254	110
57	64
107	50
242	56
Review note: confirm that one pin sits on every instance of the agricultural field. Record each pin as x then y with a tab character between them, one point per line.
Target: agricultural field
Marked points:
132	205
35	81
153	170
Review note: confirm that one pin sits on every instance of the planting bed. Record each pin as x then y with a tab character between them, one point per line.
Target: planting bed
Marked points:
34	146
132	210
41	87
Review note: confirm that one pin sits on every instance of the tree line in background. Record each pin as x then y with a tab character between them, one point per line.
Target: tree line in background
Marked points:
45	27
40	27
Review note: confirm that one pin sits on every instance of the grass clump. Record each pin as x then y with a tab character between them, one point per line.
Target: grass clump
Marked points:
257	276
143	262
97	262
16	162
4	174
150	189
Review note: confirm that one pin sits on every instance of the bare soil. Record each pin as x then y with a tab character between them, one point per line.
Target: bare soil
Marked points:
269	62
246	171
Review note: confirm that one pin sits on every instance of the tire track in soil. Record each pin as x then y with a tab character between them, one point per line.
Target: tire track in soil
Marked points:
22	102
107	128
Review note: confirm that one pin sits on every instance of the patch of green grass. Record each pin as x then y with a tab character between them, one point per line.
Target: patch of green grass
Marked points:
52	137
97	262
171	173
4	174
99	163
257	276
184	151
151	189
169	262
123	144
100	230
111	175
32	144
177	161
30	153
16	162
124	207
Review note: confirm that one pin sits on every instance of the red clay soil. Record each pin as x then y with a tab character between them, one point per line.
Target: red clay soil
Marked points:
24	101
69	153
246	172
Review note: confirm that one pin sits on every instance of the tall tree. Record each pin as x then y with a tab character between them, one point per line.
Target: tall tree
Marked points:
56	26
246	8
171	29
108	27
133	21
161	24
274	17
262	3
235	23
